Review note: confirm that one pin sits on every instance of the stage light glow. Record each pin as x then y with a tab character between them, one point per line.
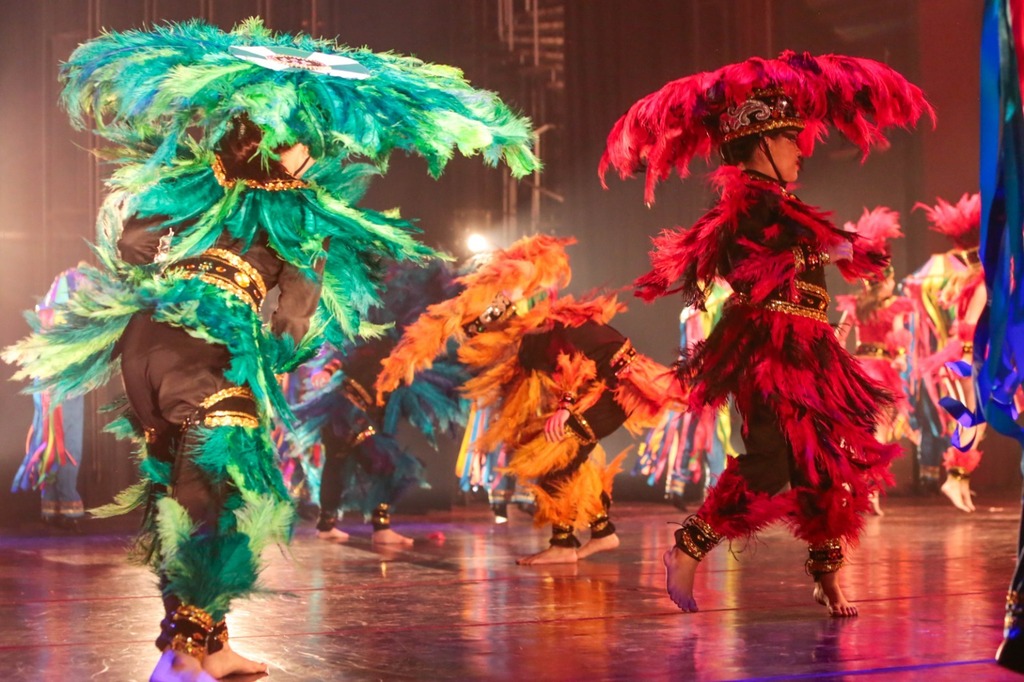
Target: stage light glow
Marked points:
477	243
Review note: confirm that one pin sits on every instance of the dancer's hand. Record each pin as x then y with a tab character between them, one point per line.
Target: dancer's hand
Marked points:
554	429
841	251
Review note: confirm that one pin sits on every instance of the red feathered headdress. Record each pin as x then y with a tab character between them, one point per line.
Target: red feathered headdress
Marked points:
692	116
961	222
875	228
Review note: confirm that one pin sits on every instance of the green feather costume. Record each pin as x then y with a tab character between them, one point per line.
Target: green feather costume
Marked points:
163	100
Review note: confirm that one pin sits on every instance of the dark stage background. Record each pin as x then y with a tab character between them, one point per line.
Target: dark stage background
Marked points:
574	70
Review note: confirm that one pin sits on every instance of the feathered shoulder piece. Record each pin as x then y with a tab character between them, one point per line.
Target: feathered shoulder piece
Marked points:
508	280
600	308
685	260
148	92
961	222
875	228
695	115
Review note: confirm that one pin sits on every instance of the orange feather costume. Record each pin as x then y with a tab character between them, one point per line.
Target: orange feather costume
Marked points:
532	352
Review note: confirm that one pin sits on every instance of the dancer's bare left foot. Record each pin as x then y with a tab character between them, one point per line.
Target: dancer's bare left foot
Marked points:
178	667
680	571
227	662
951	489
387	536
595	545
828	593
551	555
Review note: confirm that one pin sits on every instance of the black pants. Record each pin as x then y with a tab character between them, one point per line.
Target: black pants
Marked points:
167	373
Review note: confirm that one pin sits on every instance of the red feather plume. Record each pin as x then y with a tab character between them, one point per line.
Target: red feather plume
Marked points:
961	222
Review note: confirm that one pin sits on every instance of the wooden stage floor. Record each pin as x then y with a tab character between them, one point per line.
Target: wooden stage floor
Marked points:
929	581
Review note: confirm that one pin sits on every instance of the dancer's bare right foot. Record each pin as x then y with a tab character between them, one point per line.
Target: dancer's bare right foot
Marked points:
876	506
386	536
178	667
333	535
551	555
965	493
595	545
828	593
680	570
952	489
227	662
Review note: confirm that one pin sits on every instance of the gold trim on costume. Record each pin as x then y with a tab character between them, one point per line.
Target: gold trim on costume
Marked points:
361	398
190	643
959	473
696	537
225	270
968	348
623	358
230	418
225	393
364	434
871	350
245	267
268	185
798	259
824	557
812	302
588	436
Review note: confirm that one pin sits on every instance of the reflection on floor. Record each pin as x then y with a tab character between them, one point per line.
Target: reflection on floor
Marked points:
929	580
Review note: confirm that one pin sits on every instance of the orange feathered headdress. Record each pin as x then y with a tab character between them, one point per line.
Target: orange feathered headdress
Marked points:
527	267
961	222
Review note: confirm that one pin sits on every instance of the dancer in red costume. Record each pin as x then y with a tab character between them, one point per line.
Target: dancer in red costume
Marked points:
878	318
809	410
961	295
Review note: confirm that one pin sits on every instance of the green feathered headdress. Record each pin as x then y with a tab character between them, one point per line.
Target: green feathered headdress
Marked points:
148	92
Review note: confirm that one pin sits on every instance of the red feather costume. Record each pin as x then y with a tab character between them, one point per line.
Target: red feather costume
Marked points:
809	409
878	318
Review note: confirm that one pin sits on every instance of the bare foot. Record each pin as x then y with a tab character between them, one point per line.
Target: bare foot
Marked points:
680	570
595	545
551	555
227	661
828	593
333	535
178	667
951	489
876	507
390	537
965	493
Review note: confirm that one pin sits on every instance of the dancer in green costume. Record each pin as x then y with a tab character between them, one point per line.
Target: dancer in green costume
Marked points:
237	173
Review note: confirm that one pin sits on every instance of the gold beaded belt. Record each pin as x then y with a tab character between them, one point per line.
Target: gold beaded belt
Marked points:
226	270
871	350
810	301
232	406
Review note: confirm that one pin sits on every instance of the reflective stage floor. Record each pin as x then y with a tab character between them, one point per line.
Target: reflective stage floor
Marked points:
930	583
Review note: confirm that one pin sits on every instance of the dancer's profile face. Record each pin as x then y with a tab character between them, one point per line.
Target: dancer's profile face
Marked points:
786	153
296	160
